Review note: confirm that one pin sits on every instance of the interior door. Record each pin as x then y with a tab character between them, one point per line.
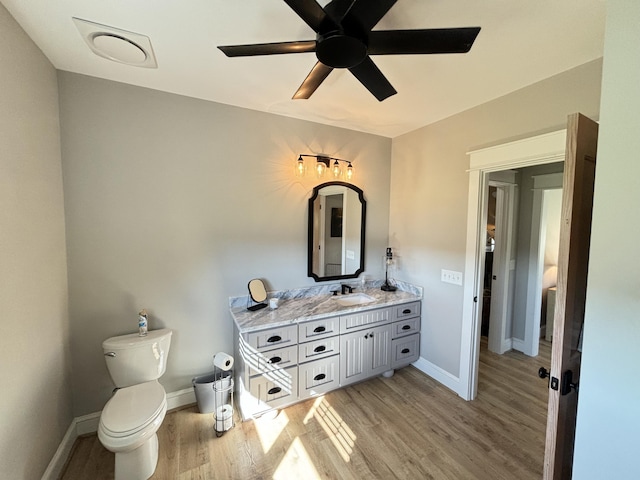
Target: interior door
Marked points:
573	259
501	276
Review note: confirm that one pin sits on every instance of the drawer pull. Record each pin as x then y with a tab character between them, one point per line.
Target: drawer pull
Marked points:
274	390
320	348
406	327
275	338
275	360
319	329
406	310
405	350
320	376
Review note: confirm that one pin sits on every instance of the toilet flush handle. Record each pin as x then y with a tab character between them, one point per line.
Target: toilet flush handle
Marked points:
110	354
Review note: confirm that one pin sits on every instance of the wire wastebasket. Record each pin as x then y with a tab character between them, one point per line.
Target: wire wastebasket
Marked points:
222	393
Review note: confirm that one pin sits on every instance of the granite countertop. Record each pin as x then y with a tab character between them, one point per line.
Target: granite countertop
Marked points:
305	308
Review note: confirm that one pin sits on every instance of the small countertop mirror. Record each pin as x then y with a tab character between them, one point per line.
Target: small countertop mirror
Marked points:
258	294
336	231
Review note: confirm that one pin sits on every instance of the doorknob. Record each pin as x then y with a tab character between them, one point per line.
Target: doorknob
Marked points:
553	381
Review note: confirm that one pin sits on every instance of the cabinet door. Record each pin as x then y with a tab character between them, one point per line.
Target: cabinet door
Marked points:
379	345
352	357
319	376
277	388
364	353
406	350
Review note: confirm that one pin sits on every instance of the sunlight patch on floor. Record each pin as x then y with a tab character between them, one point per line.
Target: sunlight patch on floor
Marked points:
336	429
269	429
296	464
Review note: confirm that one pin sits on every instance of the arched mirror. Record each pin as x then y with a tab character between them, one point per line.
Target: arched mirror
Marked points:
336	231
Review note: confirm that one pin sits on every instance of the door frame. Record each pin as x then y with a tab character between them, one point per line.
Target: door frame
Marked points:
537	150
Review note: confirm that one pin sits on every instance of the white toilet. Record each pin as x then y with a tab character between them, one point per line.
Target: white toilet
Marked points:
131	418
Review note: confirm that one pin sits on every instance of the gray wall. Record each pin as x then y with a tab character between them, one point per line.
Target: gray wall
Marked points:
608	414
35	405
173	204
429	191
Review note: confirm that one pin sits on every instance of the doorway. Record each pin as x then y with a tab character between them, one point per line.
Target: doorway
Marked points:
500	206
520	257
540	150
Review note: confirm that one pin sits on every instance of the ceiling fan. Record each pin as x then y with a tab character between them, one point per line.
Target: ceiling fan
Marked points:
345	40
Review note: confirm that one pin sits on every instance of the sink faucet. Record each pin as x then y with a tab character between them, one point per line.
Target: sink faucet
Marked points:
346	288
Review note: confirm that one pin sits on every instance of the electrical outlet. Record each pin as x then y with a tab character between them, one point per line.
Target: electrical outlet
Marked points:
449	276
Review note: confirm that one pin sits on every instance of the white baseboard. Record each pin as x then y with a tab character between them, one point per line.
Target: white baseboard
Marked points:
89	424
447	379
181	398
507	345
54	469
517	344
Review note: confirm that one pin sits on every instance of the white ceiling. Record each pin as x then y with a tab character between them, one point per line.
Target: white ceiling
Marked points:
521	42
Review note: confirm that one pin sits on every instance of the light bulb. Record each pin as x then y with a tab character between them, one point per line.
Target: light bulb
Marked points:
336	169
349	171
320	168
300	167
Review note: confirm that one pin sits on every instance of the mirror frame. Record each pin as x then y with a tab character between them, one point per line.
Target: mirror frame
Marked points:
316	191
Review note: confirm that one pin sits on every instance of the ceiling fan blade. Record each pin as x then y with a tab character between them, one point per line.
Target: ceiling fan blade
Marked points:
268	48
312	13
337	9
316	76
437	40
365	14
373	79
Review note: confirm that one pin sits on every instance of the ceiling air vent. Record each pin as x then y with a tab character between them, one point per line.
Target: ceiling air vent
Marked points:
117	45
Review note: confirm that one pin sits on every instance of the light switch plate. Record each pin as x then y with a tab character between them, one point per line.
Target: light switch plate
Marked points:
449	276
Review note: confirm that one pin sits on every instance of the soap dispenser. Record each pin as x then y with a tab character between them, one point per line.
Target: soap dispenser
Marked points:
142	323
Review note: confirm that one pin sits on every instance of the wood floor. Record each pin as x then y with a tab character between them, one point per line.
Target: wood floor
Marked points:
405	427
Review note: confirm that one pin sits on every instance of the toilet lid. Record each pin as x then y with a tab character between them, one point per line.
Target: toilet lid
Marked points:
132	408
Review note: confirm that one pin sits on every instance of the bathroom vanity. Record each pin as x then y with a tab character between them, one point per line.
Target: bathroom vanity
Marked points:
314	343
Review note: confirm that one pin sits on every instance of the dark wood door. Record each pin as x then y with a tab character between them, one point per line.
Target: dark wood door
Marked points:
573	260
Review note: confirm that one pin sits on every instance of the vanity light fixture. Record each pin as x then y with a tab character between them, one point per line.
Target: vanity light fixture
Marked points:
324	163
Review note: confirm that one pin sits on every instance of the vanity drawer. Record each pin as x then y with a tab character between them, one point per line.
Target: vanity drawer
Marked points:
318	349
405	350
317	329
356	321
275	388
319	376
272	359
273	338
407	310
405	327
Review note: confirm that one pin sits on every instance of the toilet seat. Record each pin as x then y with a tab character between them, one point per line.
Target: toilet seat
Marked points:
132	415
132	408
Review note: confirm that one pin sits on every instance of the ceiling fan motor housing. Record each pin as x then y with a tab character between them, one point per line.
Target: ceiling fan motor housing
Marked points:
337	50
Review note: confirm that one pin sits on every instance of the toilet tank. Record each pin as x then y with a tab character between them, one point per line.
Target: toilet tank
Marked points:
132	359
